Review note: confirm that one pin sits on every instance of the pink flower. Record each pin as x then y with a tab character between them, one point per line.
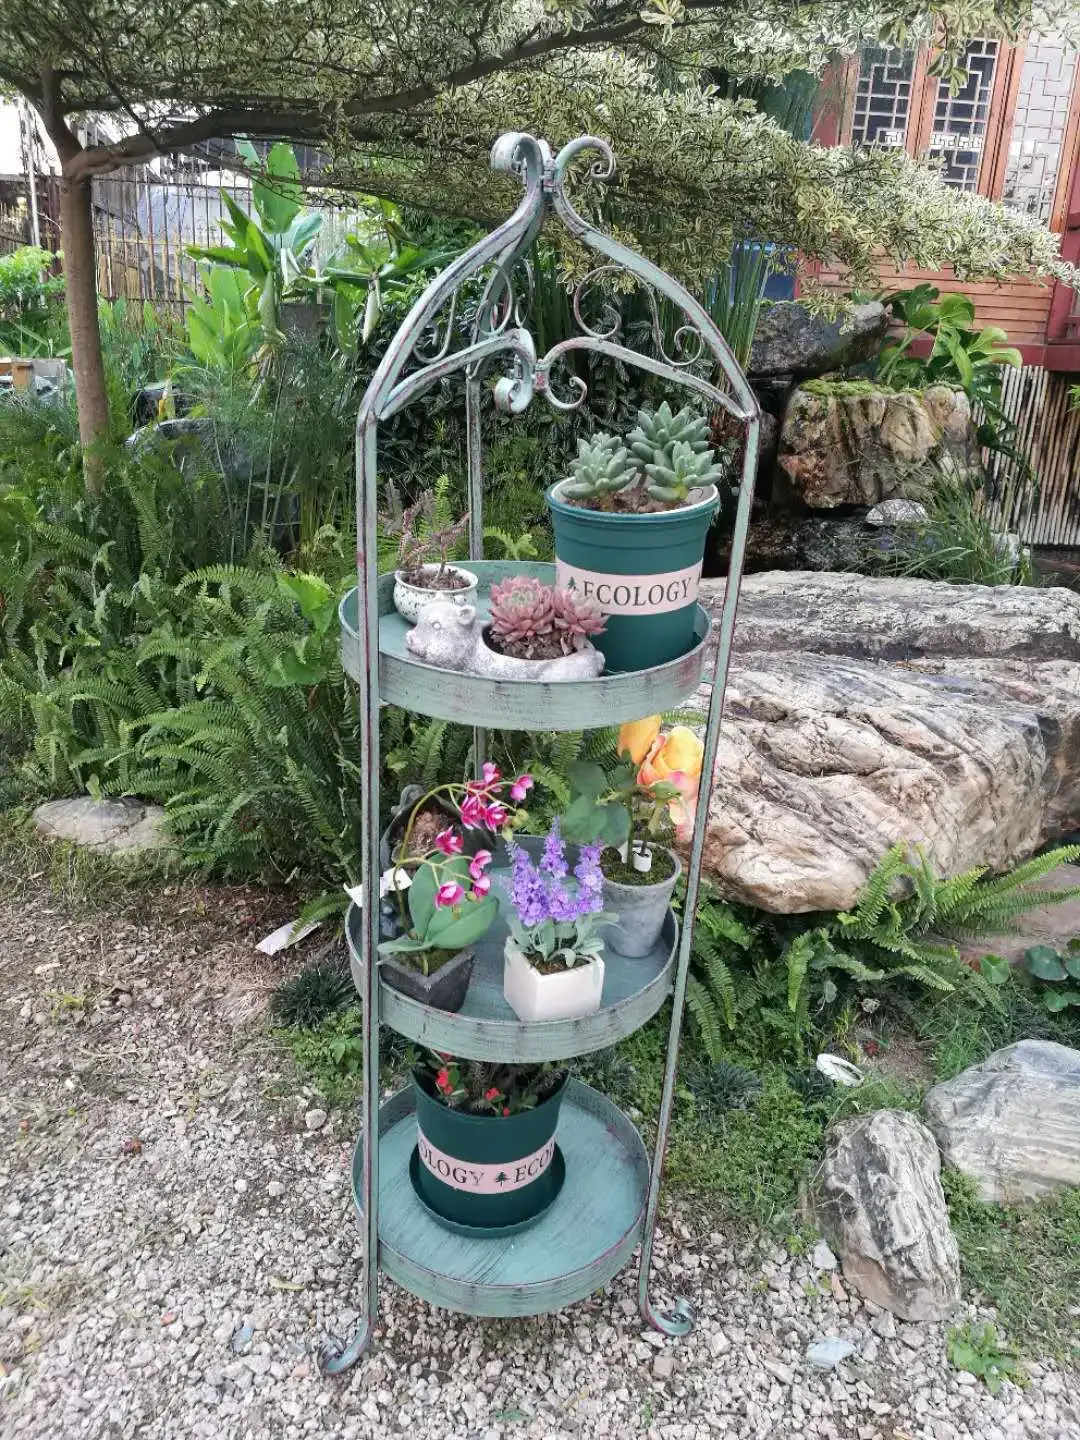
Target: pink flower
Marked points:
442	1080
495	816
473	812
481	886
490	773
449	842
492	1094
521	787
479	863
449	894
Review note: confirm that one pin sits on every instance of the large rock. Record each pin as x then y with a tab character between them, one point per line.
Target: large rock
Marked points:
115	826
863	712
1013	1122
791	341
881	1205
854	443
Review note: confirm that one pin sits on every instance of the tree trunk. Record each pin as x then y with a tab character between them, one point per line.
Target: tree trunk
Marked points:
77	240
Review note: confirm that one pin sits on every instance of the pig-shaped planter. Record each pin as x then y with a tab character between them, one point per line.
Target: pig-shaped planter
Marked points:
451	637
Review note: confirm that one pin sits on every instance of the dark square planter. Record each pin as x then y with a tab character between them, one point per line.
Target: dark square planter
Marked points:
443	990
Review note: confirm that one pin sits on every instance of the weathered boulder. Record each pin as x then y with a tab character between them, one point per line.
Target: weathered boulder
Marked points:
881	1205
862	712
844	544
790	340
1013	1122
891	513
115	826
854	443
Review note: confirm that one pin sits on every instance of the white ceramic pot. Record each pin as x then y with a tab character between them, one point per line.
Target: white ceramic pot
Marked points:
409	600
563	995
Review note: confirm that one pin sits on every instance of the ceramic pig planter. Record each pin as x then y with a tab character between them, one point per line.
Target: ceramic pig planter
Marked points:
451	637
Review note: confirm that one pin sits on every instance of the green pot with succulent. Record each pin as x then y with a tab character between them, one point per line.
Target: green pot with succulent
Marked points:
486	1157
630	525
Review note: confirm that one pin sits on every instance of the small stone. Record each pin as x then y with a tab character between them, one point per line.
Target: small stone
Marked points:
315	1119
822	1258
827	1353
258	1364
13	1210
897	512
242	1339
240	1186
274	1189
884	1324
965	1378
783	1373
718	1343
839	1294
132	1146
663	1366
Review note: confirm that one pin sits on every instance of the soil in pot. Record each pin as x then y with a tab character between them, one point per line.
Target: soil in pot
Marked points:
623	872
486	1171
435	579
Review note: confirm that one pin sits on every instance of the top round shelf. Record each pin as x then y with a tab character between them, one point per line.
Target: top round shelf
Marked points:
515	704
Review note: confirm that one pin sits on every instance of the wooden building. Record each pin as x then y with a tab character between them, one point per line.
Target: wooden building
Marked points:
1012	134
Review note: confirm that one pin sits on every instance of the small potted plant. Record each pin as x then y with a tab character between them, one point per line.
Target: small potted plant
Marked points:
486	1157
630	525
553	957
420	578
438	902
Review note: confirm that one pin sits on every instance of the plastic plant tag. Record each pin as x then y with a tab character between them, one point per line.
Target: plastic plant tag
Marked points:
395	880
285	936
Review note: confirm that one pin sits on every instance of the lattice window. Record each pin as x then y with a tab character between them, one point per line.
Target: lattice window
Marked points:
1042	117
960	120
883	97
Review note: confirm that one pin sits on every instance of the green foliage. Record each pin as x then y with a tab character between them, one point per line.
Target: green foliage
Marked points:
980	1351
960	356
304	1001
1054	975
29	291
1025	1261
330	1055
956	543
786	980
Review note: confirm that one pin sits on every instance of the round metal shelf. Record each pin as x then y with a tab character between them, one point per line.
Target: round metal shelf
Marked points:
516	704
574	1248
485	1028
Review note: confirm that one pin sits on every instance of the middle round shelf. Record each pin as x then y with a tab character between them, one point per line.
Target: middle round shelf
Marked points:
485	1028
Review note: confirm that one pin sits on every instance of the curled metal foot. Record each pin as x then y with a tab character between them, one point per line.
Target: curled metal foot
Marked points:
336	1356
679	1320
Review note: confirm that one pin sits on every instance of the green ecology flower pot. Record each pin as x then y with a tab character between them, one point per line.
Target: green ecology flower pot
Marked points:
642	570
486	1171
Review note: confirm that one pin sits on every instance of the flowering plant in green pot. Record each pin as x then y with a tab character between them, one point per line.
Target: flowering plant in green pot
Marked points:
438	903
630	524
486	1156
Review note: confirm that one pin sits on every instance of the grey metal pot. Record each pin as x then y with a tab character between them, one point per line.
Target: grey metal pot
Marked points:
443	990
641	910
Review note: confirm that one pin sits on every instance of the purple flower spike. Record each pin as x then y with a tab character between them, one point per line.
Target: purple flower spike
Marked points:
553	862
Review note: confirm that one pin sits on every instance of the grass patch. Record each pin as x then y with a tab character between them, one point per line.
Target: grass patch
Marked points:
330	1055
1025	1261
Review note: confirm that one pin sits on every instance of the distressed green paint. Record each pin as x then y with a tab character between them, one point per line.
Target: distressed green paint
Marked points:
575	1248
485	1028
612	1194
516	704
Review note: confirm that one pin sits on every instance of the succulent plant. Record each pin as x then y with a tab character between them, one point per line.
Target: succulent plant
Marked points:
577	616
601	467
686	471
675	451
522	611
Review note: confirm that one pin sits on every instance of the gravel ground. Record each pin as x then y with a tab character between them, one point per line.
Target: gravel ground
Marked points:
175	1240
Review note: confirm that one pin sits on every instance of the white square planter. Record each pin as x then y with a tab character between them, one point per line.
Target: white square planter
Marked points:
564	995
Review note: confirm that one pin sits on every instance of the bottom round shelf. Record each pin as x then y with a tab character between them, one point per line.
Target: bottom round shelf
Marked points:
575	1247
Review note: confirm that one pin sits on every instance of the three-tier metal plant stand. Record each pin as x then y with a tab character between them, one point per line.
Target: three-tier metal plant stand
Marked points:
608	1206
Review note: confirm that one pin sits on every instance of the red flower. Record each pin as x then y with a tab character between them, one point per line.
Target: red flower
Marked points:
492	1094
442	1081
506	1109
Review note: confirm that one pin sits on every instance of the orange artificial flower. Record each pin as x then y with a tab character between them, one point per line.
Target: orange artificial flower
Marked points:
637	736
676	758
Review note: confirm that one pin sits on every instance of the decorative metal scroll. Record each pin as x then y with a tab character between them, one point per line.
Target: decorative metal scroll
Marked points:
498	331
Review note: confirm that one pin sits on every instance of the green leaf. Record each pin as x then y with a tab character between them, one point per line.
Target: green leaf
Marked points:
313	597
1044	963
268	306
995	969
278	198
1071	961
474	918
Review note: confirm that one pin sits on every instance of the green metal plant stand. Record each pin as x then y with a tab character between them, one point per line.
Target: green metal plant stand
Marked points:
609	1203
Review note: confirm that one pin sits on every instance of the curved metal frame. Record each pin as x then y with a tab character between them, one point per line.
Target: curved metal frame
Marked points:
498	331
